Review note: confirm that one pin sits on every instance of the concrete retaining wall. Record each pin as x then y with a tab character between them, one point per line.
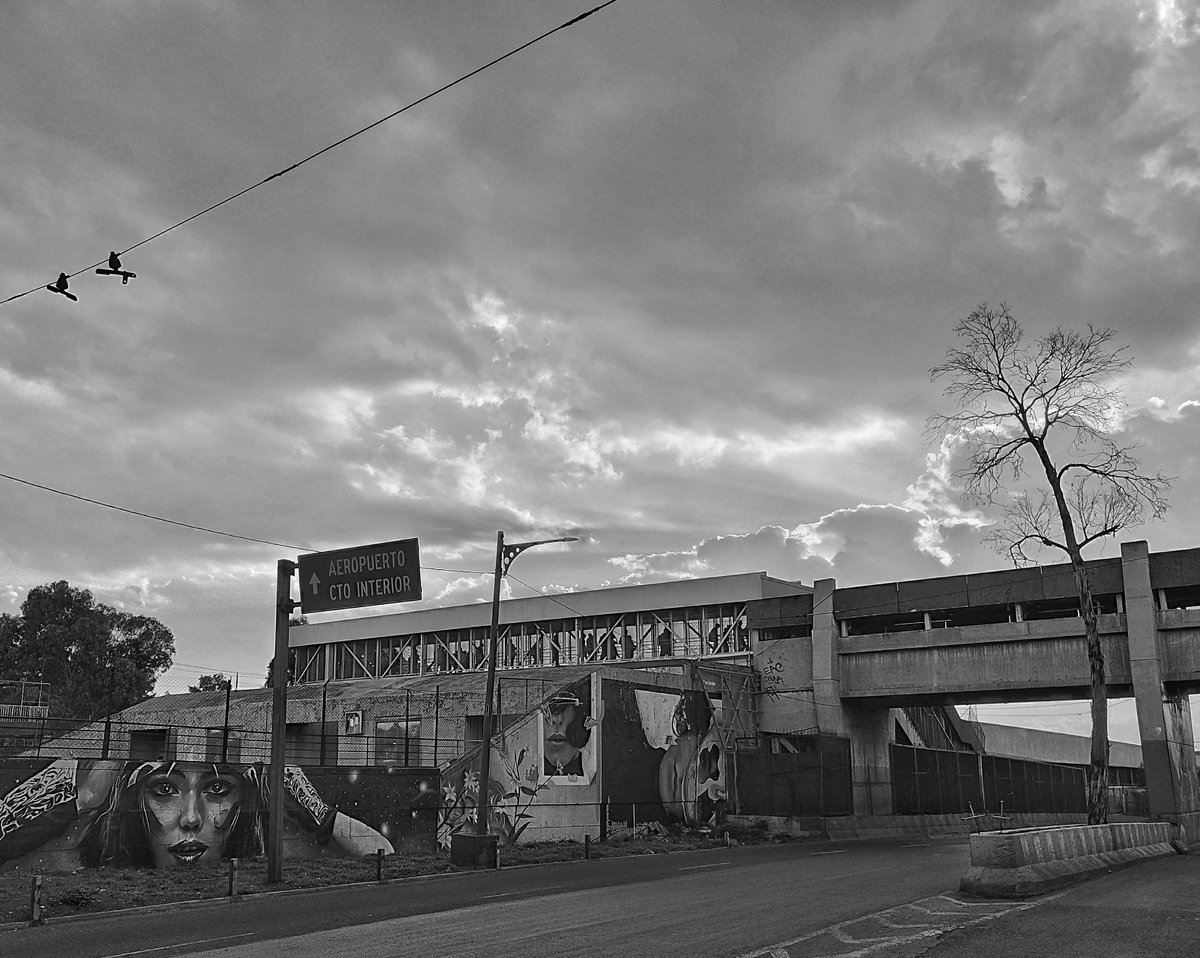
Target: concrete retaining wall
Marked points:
1031	861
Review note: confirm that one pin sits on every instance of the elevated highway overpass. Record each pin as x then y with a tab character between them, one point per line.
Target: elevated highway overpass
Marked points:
847	657
1013	661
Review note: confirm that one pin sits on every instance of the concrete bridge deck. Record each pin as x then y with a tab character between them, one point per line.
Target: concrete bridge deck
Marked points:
1003	662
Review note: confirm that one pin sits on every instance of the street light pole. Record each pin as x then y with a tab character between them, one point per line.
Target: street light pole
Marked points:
505	554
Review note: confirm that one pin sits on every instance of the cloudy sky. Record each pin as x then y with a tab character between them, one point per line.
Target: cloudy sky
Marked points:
670	280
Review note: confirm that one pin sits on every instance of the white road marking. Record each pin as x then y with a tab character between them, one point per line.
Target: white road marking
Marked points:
940	921
710	865
514	894
180	944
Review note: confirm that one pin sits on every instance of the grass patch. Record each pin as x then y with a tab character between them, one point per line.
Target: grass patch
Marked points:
94	890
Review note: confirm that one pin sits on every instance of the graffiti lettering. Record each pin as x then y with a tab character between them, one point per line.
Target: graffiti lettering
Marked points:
772	678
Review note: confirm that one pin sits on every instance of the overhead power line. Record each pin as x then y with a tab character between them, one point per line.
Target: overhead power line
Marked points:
188	525
229	199
546	595
147	515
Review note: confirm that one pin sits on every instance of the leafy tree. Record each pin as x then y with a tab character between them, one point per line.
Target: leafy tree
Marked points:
1039	424
291	672
292	620
212	683
95	659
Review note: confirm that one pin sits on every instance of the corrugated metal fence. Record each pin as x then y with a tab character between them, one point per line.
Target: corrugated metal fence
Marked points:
928	781
813	780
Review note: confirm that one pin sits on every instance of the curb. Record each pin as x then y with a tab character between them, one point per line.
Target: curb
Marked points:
226	901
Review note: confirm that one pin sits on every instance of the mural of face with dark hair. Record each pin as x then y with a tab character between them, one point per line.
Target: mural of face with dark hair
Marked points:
559	749
189	811
691	776
564	734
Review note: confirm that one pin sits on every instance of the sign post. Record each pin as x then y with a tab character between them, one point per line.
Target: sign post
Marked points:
376	574
279	680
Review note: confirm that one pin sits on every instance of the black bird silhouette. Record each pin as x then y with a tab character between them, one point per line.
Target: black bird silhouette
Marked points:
60	286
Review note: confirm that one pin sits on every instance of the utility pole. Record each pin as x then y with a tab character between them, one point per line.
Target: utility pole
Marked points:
279	679
480	848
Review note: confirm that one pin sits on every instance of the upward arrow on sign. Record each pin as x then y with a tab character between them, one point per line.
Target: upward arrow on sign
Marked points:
315	582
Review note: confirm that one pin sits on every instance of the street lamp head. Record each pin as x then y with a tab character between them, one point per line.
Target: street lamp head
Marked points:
506	552
540	542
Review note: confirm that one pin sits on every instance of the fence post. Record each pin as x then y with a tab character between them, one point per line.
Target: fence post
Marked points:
324	718
437	714
107	736
820	779
233	878
225	729
407	727
35	902
916	784
941	783
379	853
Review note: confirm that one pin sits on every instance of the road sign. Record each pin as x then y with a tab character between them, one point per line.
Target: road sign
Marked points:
363	575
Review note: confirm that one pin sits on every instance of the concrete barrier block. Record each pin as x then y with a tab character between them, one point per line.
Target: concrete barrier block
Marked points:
1029	862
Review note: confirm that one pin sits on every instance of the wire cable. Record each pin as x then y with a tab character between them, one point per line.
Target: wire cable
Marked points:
147	515
326	149
188	525
546	595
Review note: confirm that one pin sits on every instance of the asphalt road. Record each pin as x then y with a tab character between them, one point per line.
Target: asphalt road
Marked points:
719	902
883	900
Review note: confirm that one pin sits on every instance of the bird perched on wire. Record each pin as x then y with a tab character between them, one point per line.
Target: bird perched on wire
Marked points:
60	286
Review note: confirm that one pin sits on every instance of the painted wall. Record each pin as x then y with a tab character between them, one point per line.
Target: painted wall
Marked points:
785	671
663	761
640	756
545	775
67	813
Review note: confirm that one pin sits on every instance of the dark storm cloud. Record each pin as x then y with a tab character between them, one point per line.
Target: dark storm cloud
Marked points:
671	280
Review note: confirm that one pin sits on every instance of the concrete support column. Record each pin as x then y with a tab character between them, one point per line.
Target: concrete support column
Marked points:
827	686
869	730
871	735
1164	721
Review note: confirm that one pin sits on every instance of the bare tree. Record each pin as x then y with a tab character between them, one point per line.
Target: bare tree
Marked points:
1048	410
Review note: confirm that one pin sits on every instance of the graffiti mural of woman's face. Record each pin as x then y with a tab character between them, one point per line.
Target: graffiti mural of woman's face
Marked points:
189	811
